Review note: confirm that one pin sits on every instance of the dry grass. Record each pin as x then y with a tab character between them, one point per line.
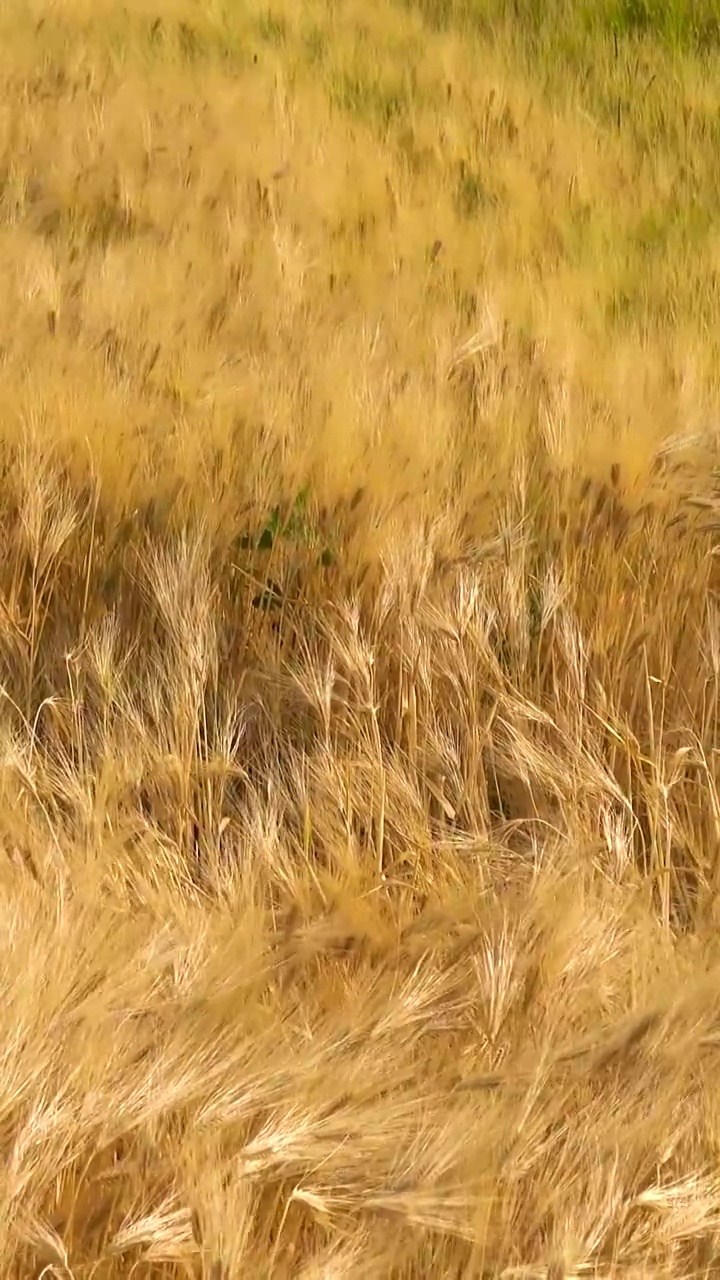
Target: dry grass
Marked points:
373	932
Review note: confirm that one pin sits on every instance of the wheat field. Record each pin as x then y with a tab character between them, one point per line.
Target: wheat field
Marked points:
359	639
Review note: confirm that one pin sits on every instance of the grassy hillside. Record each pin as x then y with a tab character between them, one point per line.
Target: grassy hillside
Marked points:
359	639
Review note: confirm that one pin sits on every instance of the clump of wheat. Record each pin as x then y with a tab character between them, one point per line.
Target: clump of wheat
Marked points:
359	648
